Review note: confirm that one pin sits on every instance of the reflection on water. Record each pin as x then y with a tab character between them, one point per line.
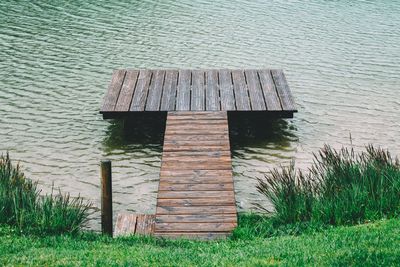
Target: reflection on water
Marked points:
258	143
341	59
141	129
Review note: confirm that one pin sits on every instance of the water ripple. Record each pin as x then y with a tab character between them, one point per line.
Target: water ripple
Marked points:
56	58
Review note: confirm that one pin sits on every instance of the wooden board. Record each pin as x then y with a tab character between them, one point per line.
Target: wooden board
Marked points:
260	90
183	93
196	196
142	87
130	224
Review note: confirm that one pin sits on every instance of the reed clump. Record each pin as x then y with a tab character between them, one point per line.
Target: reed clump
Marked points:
22	206
340	188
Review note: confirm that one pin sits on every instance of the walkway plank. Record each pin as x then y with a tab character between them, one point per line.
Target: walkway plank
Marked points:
196	193
212	96
169	90
255	93
198	91
183	94
282	88
114	88
226	90
128	87
154	97
240	89
269	90
140	94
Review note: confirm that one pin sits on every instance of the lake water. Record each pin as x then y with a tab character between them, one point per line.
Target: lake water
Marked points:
341	58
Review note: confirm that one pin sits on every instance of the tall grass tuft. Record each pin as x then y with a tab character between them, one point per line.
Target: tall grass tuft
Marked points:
340	188
22	206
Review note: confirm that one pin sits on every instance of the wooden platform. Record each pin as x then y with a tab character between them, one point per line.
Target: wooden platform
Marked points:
198	90
196	194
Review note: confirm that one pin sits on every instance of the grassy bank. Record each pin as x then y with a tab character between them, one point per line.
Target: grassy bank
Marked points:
23	207
376	244
343	212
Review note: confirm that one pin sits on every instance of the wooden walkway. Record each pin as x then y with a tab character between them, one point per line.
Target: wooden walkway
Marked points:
198	90
196	194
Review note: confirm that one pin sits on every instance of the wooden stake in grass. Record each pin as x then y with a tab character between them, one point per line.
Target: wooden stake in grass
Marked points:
106	198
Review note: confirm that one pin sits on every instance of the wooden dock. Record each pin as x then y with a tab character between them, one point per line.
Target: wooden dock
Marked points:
196	196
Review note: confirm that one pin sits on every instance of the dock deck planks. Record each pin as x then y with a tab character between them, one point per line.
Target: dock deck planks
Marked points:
196	193
261	90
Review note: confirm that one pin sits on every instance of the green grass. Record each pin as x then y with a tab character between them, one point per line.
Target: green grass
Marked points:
376	244
340	188
22	206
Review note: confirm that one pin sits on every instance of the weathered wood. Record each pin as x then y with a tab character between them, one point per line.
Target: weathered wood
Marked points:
170	186
198	122
111	97
193	179
174	157
199	127
282	88
198	92
183	94
201	174
169	90
195	194
139	224
255	92
145	224
195	138
106	198
212	96
269	90
194	131
240	89
193	235
125	225
201	218
196	176
226	90
155	91
128	87
140	94
203	115
198	227
179	210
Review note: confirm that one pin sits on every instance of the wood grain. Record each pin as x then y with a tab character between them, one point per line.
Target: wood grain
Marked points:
111	97
128	87
260	90
140	94
196	191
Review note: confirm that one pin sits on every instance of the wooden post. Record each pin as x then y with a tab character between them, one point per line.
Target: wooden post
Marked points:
106	198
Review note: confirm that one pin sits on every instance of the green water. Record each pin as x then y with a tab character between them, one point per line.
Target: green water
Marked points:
341	58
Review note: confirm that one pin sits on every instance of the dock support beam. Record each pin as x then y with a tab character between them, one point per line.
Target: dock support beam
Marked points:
106	198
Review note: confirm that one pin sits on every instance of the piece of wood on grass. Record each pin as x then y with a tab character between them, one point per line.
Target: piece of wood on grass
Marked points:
125	225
